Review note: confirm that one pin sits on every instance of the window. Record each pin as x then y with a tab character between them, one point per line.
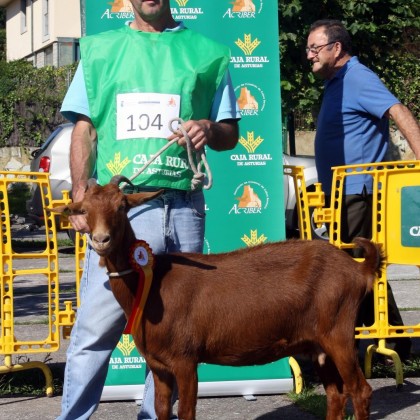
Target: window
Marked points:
49	56
23	17
68	51
45	20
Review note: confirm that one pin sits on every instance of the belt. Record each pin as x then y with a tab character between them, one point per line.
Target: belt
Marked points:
133	189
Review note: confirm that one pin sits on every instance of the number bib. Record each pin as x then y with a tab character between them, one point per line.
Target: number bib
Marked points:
145	115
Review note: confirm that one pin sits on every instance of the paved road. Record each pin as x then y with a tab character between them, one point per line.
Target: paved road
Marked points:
387	403
30	307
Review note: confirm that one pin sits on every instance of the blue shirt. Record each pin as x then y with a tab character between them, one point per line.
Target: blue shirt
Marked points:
351	126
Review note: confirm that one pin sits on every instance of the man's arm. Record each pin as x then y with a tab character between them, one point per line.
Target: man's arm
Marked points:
82	161
408	125
223	135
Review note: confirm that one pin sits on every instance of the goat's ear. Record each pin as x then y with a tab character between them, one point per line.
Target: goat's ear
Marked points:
66	210
141	197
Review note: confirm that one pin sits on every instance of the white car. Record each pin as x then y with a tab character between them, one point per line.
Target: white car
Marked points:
53	157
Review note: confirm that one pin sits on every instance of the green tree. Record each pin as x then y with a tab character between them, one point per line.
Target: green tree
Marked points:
2	34
30	101
385	36
2	17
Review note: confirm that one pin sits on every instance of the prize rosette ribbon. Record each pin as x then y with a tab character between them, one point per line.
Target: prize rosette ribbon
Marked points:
141	261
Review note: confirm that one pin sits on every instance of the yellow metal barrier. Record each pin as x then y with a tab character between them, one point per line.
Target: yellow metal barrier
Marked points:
22	271
80	249
305	200
395	225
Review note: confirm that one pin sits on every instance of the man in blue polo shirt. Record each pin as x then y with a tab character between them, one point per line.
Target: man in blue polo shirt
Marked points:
353	128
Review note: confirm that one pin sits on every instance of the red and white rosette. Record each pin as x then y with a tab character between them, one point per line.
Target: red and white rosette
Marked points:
141	256
142	261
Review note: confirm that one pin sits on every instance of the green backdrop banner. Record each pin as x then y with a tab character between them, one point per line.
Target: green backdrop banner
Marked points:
245	206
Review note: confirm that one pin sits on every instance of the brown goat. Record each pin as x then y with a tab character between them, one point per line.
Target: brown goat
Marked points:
246	307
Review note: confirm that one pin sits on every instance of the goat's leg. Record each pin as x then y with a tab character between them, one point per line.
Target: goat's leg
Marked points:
187	381
356	386
361	394
333	385
344	355
164	385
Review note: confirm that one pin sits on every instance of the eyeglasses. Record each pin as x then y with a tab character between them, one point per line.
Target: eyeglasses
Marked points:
316	50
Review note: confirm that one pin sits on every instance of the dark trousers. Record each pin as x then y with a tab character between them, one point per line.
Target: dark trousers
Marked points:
356	220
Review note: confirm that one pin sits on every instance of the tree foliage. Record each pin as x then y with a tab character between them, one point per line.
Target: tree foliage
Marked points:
2	33
385	33
385	36
30	101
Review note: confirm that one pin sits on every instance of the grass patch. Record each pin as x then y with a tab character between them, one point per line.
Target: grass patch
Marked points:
45	321
30	382
18	193
310	401
41	244
411	369
315	403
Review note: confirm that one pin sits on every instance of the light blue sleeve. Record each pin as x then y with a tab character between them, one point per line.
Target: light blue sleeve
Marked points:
225	106
76	101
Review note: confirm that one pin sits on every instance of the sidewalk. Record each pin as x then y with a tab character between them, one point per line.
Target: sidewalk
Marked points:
387	402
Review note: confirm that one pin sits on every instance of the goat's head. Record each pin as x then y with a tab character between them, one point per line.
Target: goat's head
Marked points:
105	209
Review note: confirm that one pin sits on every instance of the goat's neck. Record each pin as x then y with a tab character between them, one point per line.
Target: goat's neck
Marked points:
124	287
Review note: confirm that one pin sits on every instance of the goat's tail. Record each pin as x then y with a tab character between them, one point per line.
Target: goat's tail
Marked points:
374	259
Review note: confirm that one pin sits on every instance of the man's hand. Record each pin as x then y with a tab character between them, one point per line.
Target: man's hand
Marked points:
222	135
197	131
79	222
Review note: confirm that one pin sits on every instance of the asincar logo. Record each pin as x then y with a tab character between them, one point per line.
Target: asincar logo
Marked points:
185	13
119	9
244	9
252	198
251	99
253	239
251	144
248	45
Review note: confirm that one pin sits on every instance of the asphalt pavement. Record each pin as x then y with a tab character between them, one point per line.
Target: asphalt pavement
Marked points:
30	304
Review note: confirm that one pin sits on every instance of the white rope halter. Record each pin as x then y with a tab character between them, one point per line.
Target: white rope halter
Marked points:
199	177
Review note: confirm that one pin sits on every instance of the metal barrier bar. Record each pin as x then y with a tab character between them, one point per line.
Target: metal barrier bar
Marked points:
15	273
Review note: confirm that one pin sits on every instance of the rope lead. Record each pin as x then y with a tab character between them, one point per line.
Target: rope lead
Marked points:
199	176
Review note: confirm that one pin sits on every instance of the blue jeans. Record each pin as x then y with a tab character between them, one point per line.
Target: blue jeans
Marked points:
173	222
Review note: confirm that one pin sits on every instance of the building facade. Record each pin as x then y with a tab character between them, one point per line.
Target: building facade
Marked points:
44	32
